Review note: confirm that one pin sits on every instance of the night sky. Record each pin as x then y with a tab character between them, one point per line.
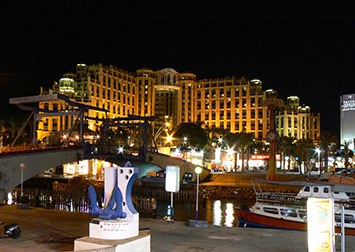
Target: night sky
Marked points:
296	47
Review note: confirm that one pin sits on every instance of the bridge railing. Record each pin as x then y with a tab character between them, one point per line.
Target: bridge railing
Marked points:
33	148
94	150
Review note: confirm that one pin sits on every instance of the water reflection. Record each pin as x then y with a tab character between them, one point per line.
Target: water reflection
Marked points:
229	217
216	212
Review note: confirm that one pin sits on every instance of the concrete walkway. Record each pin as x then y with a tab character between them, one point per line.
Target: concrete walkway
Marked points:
54	230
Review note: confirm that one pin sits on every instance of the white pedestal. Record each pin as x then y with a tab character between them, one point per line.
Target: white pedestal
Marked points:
114	229
134	244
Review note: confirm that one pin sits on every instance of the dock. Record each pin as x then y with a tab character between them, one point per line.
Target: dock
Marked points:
55	230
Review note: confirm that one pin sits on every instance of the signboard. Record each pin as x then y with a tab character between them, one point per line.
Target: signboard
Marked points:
172	178
263	157
348	103
320	223
272	101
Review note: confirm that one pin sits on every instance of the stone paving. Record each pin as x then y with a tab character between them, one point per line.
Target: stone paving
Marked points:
54	230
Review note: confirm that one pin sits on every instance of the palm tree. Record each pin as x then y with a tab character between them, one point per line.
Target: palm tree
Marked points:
304	147
285	145
246	140
232	141
3	121
326	140
347	154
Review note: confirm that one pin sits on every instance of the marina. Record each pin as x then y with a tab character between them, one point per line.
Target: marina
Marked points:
289	211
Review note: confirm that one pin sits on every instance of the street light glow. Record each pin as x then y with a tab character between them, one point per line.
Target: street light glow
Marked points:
198	170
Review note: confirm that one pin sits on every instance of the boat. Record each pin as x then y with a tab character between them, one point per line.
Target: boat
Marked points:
289	210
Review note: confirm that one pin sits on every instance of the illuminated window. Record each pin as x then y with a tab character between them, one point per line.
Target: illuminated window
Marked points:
229	103
252	101
207	93
237	114
244	102
260	125
221	93
244	125
244	93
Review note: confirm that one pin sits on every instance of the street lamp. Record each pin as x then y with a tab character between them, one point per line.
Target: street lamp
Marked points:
198	170
319	160
22	165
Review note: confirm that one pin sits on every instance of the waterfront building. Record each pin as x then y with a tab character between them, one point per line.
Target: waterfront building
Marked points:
297	121
347	119
230	103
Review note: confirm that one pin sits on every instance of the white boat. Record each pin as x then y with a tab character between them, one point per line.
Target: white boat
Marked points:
289	210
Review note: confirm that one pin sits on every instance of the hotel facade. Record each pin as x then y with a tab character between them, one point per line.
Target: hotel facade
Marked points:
235	104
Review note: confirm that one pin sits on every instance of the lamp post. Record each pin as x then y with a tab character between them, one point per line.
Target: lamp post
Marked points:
319	160
198	170
22	165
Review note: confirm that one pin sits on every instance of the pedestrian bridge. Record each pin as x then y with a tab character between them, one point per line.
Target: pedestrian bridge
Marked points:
30	163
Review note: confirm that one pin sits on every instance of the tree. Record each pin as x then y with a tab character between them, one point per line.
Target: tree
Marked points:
197	136
247	140
304	146
326	141
241	141
285	144
3	121
232	141
347	153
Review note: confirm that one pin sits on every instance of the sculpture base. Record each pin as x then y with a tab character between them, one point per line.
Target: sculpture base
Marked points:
114	229
138	243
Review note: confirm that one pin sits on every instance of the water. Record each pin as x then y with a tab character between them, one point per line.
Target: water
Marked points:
216	212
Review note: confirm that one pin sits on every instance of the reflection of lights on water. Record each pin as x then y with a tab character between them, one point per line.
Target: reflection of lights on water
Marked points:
223	213
9	198
217	213
229	215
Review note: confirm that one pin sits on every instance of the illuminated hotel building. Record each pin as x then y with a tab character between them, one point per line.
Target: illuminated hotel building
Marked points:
230	103
347	119
297	121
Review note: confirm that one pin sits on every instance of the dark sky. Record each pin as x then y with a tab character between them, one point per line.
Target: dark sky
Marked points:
296	47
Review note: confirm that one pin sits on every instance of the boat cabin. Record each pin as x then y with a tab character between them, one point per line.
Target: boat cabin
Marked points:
321	191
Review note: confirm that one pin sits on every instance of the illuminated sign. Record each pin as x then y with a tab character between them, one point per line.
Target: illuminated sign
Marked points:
172	178
259	157
348	104
263	157
182	155
320	223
